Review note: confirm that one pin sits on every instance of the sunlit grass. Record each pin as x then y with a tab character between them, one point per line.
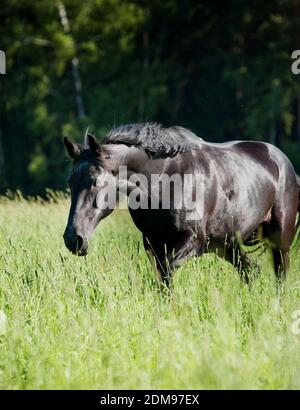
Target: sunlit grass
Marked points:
101	322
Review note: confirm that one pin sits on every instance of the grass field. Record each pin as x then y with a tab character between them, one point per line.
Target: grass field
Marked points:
100	321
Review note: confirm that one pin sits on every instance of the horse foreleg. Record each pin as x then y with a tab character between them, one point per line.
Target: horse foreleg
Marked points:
154	260
188	245
168	255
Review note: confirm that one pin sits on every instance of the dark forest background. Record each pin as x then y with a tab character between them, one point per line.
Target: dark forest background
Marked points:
222	69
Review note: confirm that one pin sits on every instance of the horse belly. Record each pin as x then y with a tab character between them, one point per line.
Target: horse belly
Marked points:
242	213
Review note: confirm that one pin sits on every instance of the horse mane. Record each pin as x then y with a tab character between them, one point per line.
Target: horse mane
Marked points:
156	141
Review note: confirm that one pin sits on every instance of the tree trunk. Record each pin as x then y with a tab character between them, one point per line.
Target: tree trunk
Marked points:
2	165
296	10
298	118
75	62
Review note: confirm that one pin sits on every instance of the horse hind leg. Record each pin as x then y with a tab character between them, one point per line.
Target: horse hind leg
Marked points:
279	234
240	260
281	263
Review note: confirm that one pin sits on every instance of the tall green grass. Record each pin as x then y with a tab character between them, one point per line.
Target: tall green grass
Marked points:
100	321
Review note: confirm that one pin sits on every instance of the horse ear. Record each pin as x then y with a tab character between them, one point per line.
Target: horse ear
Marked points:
72	148
94	144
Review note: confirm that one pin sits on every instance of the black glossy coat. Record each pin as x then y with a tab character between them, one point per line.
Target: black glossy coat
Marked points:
247	185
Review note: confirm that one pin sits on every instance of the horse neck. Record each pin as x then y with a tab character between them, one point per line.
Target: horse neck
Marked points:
115	156
124	162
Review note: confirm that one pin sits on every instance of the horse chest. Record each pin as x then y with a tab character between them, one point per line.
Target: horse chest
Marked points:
157	221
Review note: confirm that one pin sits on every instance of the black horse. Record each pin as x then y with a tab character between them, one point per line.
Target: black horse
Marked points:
248	187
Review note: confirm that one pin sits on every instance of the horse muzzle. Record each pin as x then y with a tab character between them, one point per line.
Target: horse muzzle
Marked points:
77	244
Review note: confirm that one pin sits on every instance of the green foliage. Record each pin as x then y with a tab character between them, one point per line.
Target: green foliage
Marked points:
222	71
101	322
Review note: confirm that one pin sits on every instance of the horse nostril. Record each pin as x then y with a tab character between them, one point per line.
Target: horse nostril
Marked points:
79	242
